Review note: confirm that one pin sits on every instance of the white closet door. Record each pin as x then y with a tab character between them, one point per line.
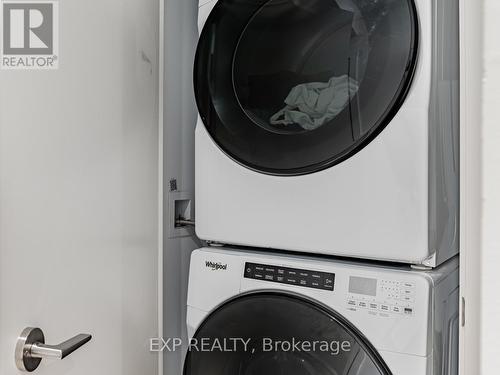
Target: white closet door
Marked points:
79	190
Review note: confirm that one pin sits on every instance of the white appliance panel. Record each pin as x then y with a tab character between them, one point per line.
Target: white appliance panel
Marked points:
408	316
386	202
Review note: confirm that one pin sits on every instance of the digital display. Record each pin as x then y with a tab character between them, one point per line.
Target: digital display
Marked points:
362	285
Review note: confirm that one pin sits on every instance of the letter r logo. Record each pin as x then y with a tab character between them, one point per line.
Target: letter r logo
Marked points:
28	28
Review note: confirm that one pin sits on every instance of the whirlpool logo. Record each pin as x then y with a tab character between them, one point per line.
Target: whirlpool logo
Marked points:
215	266
30	37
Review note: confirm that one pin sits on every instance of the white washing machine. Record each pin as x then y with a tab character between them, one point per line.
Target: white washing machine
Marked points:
329	126
374	320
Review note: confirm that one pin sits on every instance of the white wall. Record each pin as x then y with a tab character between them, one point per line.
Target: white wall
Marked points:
471	56
490	261
480	186
179	111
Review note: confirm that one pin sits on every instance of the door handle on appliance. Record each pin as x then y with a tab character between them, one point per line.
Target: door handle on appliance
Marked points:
31	348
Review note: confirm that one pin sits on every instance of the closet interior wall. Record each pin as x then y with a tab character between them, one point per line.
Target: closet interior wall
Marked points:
179	120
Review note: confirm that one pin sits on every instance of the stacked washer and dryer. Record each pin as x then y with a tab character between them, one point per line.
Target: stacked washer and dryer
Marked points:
327	185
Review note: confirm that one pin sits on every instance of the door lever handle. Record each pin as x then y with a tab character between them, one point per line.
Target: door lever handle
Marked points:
31	348
39	350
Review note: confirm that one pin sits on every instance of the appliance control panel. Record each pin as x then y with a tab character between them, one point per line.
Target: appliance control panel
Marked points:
291	276
381	297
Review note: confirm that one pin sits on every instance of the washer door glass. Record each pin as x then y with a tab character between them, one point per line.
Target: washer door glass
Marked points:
279	334
291	87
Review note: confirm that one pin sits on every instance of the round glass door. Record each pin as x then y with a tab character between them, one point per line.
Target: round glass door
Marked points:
290	87
274	333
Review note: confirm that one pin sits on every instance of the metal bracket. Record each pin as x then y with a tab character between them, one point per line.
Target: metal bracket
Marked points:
215	244
420	267
181	222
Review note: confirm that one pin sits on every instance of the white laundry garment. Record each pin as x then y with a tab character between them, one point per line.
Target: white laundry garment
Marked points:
311	105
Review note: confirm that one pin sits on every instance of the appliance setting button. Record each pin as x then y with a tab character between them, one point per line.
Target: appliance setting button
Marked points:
362	304
374	306
249	270
396	309
408	311
293	276
384	307
351	302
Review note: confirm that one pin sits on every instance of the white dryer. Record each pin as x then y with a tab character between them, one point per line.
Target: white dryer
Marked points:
329	126
374	320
